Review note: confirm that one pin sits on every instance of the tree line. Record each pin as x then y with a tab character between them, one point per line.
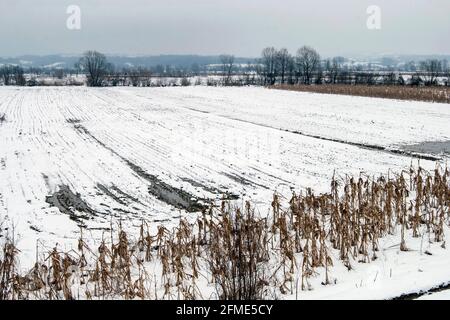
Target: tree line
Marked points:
307	67
12	75
275	66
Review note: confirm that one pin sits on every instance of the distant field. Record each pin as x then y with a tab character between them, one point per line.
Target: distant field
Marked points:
430	94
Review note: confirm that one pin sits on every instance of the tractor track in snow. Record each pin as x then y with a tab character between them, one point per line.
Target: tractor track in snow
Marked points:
161	190
356	144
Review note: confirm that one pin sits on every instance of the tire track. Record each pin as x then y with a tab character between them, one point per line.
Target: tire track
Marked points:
356	144
158	188
366	146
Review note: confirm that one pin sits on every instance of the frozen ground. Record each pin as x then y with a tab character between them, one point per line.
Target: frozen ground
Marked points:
127	154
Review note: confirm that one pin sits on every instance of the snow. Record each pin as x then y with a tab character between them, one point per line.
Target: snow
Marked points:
355	119
55	65
443	295
393	273
205	141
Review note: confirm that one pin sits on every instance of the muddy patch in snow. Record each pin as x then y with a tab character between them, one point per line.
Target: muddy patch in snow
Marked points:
125	195
177	197
71	204
73	121
162	191
107	192
430	147
118	195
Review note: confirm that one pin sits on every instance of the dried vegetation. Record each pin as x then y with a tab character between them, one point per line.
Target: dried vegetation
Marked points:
239	254
431	94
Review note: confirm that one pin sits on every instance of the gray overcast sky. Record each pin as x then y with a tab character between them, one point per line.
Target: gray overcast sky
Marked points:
241	27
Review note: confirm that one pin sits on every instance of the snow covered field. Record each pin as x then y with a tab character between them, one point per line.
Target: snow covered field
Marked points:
127	154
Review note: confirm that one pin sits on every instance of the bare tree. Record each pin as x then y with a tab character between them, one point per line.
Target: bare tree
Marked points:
447	73
308	61
95	65
291	69
6	74
185	82
335	67
319	75
432	69
283	57
58	73
12	75
390	78
19	77
269	58
445	70
139	77
260	72
227	68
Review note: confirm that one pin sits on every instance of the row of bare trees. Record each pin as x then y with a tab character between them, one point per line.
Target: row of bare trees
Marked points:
99	72
307	67
433	68
280	64
227	62
12	75
275	66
